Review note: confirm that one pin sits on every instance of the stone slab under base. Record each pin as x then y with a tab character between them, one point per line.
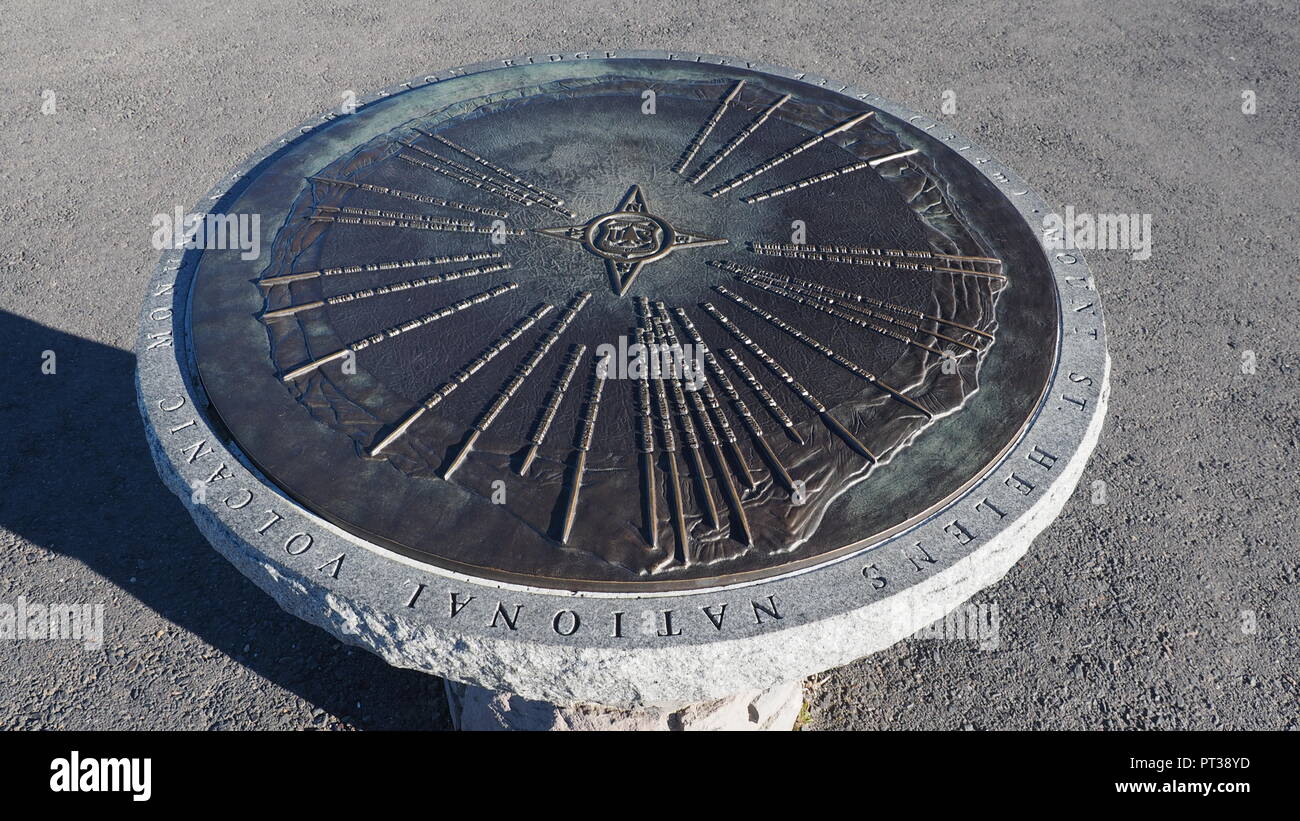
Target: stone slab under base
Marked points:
628	651
476	708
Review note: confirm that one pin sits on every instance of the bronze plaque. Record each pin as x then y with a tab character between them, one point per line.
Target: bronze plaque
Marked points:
624	324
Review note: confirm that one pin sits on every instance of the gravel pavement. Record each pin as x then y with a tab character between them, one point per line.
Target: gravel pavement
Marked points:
1172	605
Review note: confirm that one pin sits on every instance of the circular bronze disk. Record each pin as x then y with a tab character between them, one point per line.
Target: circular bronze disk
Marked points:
624	324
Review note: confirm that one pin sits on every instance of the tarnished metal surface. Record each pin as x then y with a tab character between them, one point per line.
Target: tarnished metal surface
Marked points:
439	352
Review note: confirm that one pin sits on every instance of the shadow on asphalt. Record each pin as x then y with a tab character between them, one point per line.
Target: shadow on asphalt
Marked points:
76	478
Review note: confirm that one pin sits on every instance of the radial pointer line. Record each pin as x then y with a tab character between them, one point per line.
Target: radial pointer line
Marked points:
847	311
476	181
462	376
879	261
381	290
773	162
756	385
785	376
427	199
702	135
504	173
420	225
739	462
461	168
375	266
721	470
823	349
381	213
582	444
826	176
683	416
522	371
859	311
742	410
646	447
832	310
735	141
850	297
547	416
396	330
669	438
859	250
522	195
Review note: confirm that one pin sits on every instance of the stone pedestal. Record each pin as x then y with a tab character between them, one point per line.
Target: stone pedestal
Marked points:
476	708
558	640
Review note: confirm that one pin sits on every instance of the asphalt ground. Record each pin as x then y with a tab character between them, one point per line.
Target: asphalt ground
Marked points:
1172	604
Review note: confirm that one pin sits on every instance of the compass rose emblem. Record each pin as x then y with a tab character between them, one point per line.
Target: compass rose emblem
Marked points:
629	237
